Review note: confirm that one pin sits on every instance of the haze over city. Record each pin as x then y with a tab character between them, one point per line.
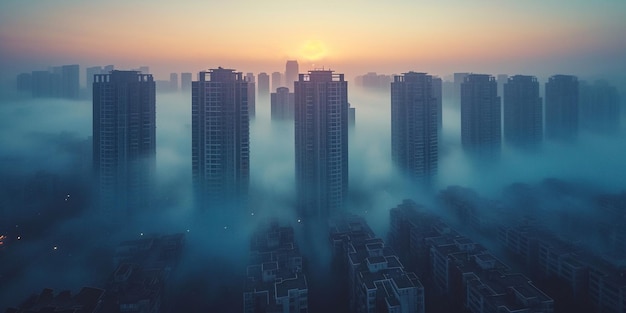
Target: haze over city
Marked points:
390	73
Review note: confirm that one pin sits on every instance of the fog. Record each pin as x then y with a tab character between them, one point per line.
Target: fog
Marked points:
47	198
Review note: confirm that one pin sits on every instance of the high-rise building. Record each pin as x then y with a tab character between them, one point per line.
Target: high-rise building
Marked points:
185	81
277	80
24	82
264	86
523	112
374	82
124	141
321	143
282	104
599	107
70	81
90	72
220	140
58	81
562	108
501	79
291	73
414	118
351	117
173	82
251	95
458	79
438	94
41	84
480	116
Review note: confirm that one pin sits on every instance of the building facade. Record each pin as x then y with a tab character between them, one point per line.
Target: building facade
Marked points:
321	143
185	81
291	73
282	104
220	139
523	112
599	107
414	118
480	117
124	141
263	85
562	108
277	80
251	95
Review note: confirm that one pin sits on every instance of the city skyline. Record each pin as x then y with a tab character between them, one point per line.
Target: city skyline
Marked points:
250	202
542	38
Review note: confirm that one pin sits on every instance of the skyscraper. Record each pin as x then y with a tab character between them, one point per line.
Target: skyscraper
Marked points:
282	104
562	108
264	86
277	80
321	143
459	78
480	116
124	140
599	107
251	95
438	94
220	140
523	112
291	73
173	82
414	119
185	81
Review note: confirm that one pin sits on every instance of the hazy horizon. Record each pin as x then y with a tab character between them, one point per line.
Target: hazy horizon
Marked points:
62	243
352	37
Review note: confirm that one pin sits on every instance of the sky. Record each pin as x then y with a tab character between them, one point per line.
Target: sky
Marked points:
514	37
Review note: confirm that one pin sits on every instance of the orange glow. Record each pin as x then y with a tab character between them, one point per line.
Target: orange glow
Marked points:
249	35
313	50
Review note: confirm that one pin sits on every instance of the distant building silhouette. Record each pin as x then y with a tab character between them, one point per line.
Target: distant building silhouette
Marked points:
599	107
185	81
351	116
220	139
24	82
174	82
562	108
277	80
42	84
124	141
57	82
291	73
70	81
459	78
143	69
374	82
480	116
523	112
438	94
263	86
414	118
90	72
282	104
321	143
501	79
251	95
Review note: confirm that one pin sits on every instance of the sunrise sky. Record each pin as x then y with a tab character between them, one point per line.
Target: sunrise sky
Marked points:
441	37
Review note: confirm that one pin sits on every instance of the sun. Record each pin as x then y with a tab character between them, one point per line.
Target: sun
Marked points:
313	50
